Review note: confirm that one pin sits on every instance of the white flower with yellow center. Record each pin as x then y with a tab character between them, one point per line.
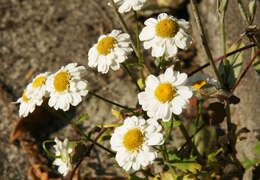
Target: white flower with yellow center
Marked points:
165	95
199	81
38	87
27	103
66	87
110	51
63	156
127	5
165	35
133	142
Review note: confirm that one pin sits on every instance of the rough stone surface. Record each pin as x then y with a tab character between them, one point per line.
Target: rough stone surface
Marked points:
246	113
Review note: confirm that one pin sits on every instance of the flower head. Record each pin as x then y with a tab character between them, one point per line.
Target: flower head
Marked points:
28	103
199	81
127	5
133	140
110	51
63	156
38	87
165	35
165	95
66	87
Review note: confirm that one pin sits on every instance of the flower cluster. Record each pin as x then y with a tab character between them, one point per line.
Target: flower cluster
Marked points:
163	97
62	89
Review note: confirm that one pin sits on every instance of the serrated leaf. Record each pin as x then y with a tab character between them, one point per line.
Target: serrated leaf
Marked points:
187	166
82	118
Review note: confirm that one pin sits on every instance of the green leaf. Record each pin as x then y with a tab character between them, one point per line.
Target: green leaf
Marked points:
173	156
167	127
234	65
256	149
187	166
82	118
248	163
176	123
104	138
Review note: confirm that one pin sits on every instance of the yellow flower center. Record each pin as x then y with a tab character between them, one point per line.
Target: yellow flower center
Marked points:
165	92
24	97
61	81
199	84
133	139
39	81
166	28
105	45
63	157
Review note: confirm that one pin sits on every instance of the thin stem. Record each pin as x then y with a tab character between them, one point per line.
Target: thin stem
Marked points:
243	12
140	59
124	26
222	57
246	69
77	128
188	139
46	150
204	40
131	76
109	101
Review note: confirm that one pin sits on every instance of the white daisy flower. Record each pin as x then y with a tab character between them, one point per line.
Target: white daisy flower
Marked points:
110	51
66	87
127	5
38	87
165	95
199	81
165	35
133	140
27	103
63	156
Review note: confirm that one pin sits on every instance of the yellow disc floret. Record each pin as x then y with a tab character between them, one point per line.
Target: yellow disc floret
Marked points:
133	139
164	92
61	81
39	81
105	45
166	28
199	84
24	97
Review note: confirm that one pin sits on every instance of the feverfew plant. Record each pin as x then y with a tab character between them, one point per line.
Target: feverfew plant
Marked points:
142	136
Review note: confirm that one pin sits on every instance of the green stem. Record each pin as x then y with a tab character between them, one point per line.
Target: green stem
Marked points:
109	101
189	141
78	129
131	76
243	12
46	150
204	40
140	59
